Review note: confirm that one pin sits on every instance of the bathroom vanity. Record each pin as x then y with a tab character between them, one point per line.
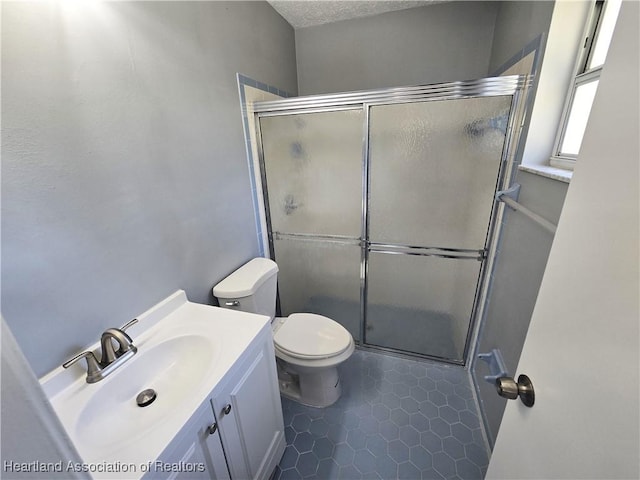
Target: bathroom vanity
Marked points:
215	413
242	419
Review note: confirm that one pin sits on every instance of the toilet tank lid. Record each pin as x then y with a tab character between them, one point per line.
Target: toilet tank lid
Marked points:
247	279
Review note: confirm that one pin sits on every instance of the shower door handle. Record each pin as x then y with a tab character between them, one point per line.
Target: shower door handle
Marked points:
508	388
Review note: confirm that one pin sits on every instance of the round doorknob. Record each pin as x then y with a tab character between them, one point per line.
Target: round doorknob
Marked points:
508	388
227	409
212	428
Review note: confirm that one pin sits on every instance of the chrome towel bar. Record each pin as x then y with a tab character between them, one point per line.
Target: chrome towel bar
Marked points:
510	196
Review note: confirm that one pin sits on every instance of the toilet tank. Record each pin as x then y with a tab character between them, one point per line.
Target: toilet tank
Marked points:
251	288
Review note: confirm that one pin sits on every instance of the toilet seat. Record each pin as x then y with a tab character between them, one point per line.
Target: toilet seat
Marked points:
311	336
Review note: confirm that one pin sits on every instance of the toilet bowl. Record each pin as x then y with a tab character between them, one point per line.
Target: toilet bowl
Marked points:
308	347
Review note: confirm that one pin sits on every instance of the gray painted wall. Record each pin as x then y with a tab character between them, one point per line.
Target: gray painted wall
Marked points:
124	172
437	43
521	259
517	24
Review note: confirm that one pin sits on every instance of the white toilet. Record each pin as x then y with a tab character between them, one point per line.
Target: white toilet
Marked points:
308	347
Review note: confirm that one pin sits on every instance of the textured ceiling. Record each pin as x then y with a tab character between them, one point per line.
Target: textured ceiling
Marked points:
300	13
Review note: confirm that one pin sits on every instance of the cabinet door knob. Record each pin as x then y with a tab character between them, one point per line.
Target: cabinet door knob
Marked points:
212	428
227	409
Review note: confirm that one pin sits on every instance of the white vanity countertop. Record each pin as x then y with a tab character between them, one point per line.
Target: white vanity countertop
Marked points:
184	350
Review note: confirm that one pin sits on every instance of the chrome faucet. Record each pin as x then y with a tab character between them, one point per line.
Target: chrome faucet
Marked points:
111	358
125	344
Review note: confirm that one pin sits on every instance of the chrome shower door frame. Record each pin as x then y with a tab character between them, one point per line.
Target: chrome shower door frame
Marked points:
515	86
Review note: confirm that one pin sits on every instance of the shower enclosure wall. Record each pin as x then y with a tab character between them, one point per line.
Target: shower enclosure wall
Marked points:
380	206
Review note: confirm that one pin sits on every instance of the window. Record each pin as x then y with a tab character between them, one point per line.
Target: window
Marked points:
585	82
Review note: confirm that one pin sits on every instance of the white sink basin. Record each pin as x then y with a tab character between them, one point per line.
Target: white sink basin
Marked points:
184	350
172	368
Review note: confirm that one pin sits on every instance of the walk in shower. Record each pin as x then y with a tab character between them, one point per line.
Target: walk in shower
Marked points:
380	206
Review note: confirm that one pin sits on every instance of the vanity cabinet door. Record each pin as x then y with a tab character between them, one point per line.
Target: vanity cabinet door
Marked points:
196	452
249	413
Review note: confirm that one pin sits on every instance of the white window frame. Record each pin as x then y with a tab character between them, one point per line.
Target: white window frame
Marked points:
581	76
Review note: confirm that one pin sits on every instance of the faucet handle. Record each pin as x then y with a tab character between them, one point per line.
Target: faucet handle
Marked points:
93	367
130	323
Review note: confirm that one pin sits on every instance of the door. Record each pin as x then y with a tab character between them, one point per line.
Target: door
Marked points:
582	348
249	415
196	453
312	170
380	206
434	169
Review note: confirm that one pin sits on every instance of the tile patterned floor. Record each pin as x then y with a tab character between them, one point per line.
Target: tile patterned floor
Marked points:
397	419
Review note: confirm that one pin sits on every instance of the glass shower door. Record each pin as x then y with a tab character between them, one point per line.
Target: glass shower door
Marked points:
434	167
312	168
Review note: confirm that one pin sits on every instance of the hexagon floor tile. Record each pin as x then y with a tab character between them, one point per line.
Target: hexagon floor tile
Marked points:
397	418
